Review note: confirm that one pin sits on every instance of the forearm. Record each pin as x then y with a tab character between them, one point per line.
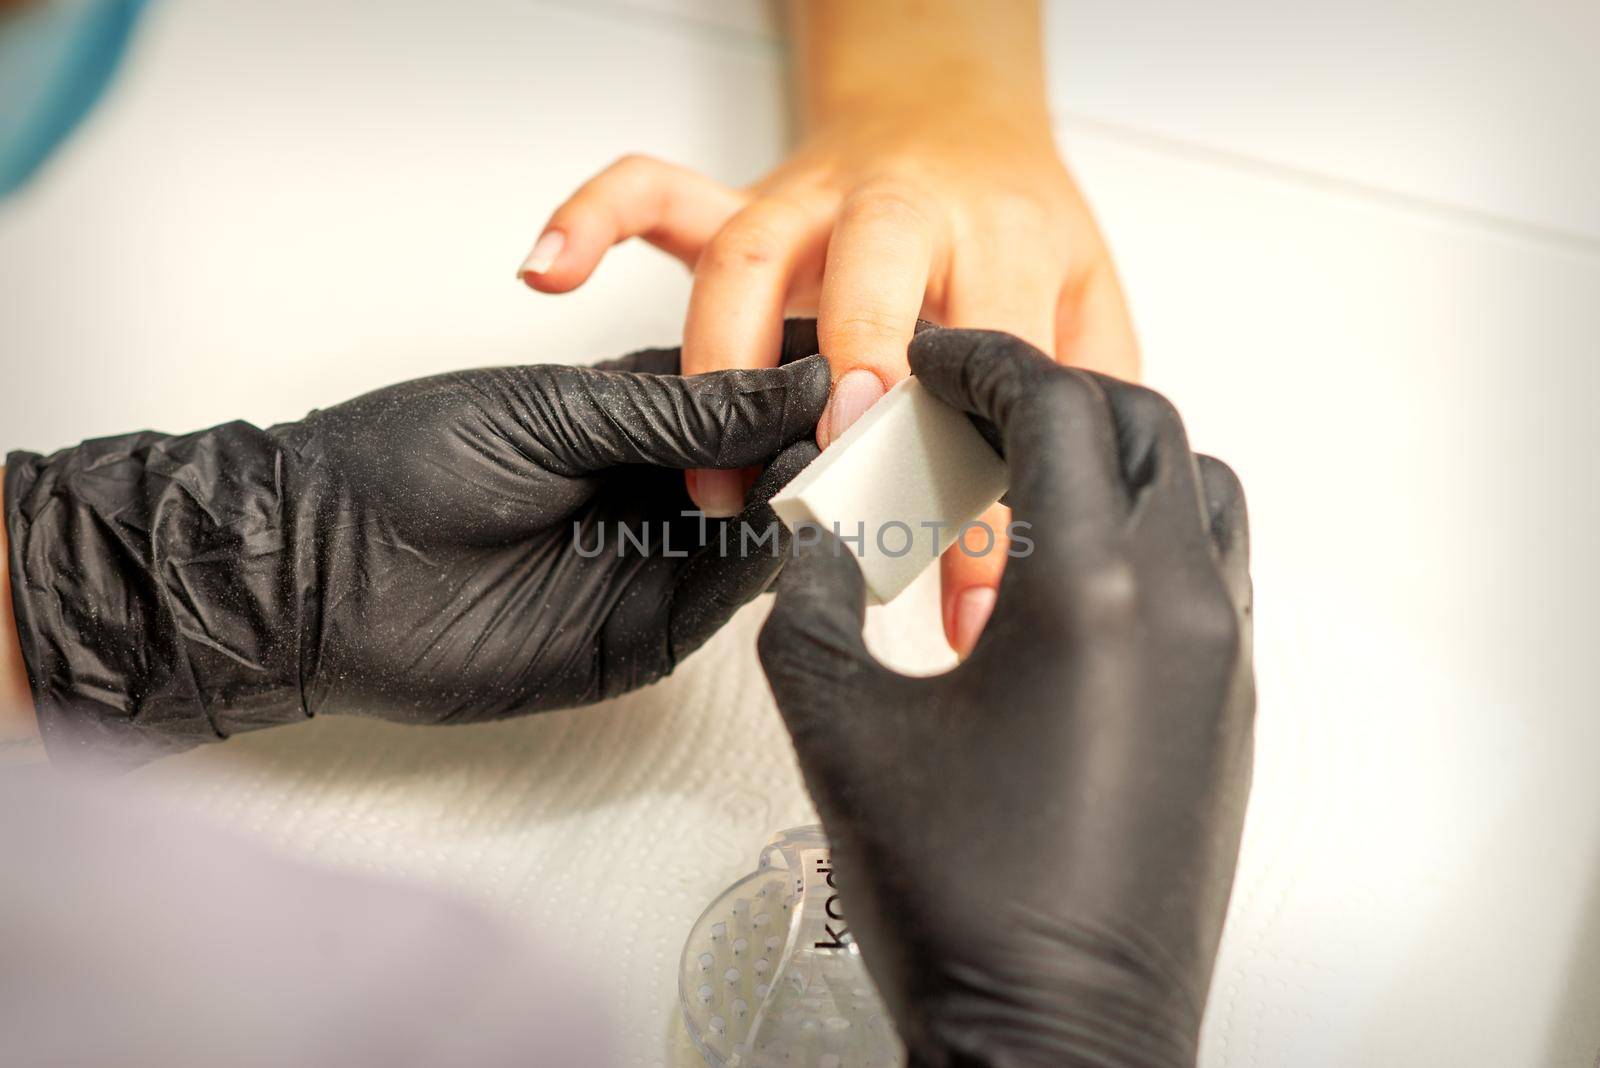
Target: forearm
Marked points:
19	726
904	56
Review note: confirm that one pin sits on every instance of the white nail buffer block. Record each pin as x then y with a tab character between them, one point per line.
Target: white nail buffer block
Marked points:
910	460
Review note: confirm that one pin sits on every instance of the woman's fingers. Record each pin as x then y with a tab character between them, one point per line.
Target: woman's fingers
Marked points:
878	264
1013	288
1008	283
969	578
675	209
742	281
1094	329
741	285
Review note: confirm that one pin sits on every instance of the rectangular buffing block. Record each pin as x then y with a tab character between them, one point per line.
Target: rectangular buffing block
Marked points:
910	460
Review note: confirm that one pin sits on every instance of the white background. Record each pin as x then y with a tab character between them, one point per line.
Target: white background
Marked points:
1362	241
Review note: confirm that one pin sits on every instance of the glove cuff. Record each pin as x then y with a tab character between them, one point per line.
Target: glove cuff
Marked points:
147	587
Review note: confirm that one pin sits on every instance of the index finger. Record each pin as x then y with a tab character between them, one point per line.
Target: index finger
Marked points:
581	420
1053	424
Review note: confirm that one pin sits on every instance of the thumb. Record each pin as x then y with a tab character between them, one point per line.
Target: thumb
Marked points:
723	577
585	420
811	647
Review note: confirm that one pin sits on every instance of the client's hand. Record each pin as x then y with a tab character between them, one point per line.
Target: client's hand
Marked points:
426	553
1035	850
927	185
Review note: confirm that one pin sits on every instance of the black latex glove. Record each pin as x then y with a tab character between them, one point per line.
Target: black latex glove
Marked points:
1035	850
407	555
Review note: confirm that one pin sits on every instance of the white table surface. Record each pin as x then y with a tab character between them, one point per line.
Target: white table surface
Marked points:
1363	249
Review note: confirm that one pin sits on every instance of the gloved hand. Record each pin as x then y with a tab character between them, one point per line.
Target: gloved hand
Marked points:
1034	851
412	555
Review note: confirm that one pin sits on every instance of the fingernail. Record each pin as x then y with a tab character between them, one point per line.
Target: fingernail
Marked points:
545	251
973	608
853	394
718	493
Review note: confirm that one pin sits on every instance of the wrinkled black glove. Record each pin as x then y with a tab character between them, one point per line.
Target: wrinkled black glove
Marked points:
412	555
1035	850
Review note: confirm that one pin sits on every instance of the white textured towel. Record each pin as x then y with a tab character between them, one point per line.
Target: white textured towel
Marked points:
604	830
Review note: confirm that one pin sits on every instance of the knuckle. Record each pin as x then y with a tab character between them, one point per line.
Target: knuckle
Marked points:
866	326
780	211
888	203
1106	598
1100	606
1148	410
1211	625
1062	391
631	163
739	248
1019	214
1007	370
1226	508
1223	487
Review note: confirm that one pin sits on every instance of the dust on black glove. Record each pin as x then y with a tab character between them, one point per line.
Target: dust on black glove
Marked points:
412	555
1035	850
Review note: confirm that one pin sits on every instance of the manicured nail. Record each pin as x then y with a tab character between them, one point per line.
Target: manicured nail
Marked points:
545	251
853	394
973	608
718	493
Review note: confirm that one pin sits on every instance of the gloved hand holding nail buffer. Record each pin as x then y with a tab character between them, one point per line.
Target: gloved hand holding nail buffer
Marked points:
410	555
1034	851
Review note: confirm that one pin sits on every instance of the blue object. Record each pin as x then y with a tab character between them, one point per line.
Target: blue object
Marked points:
55	59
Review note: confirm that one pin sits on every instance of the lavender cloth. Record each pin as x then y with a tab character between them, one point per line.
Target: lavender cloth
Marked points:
130	935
